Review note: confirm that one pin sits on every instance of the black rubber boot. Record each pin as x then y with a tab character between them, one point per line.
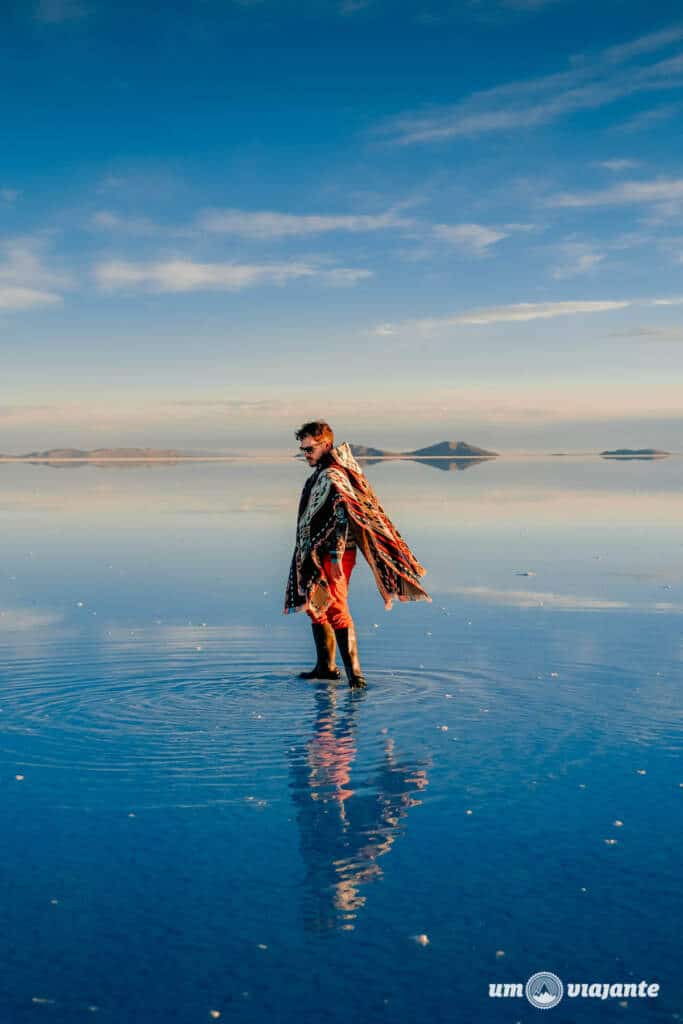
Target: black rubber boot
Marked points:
346	641
326	649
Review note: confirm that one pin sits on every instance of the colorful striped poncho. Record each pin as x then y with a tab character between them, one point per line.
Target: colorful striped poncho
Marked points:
339	480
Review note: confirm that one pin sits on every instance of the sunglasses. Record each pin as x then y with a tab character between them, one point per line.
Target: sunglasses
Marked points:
309	448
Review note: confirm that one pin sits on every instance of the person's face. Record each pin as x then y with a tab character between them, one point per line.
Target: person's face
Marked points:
313	450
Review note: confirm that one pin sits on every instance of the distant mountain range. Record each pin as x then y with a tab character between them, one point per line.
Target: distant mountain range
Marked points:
440	450
445	455
96	454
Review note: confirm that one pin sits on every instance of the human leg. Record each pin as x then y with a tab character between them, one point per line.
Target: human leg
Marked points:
326	649
339	616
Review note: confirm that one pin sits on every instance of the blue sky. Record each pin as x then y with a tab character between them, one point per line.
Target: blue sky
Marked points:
422	221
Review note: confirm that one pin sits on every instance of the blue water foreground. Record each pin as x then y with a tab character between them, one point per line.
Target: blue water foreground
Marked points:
192	833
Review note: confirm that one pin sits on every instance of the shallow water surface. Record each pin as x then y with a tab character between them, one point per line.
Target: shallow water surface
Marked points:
191	830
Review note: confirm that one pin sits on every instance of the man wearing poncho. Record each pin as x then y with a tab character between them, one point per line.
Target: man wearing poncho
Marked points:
338	513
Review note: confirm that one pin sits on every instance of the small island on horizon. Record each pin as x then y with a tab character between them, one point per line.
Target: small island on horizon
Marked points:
635	453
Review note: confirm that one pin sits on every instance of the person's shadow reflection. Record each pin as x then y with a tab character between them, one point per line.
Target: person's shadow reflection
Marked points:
345	829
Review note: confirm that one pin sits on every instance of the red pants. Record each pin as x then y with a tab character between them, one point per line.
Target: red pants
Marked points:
337	613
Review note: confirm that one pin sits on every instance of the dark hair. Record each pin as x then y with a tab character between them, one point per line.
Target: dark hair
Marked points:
319	430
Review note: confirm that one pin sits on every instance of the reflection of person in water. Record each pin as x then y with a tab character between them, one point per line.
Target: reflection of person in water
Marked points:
344	831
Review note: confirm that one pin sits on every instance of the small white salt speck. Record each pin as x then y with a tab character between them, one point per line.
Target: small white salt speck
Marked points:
215	1014
93	1008
19	778
618	823
42	1000
428	634
469	811
448	696
197	648
131	814
500	952
375	625
443	728
611	842
554	675
422	940
262	945
640	771
384	731
584	889
582	785
79	604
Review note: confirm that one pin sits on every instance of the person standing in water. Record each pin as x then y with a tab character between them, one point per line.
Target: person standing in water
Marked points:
338	513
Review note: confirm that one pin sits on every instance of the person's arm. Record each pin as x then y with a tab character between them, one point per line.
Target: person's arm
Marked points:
341	532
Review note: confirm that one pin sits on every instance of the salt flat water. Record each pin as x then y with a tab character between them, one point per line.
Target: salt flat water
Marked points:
189	830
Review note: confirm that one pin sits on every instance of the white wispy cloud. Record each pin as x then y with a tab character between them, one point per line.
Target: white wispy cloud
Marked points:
647	118
53	12
617	165
536	599
105	220
657	191
266	224
474	237
560	602
28	618
643	44
577	258
353	6
516	313
188	276
591	83
25	280
530	5
13	298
